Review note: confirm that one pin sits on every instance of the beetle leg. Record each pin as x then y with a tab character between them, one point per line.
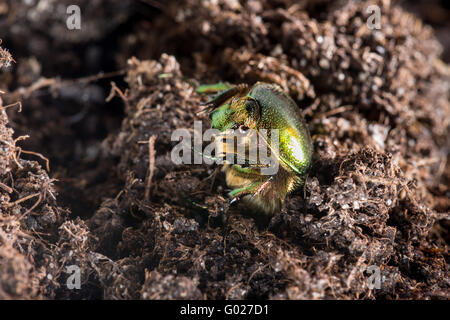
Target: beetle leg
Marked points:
234	200
223	96
237	193
262	186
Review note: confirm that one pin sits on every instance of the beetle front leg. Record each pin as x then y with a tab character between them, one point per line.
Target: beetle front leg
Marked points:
236	194
222	96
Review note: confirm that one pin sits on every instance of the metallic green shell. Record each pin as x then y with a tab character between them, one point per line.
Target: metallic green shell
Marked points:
279	111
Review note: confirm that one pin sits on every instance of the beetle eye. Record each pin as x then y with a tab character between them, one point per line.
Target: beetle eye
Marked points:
243	129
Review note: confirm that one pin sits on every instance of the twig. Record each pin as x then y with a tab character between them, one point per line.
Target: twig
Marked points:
18	103
53	84
6	188
38	201
13	150
334	112
23	199
151	164
20	150
47	161
115	90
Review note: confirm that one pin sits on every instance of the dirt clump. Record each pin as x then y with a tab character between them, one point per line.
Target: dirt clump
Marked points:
138	226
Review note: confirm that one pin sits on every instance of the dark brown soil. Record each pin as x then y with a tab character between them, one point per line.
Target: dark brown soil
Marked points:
86	177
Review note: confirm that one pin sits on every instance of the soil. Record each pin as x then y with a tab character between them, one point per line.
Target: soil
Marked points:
86	178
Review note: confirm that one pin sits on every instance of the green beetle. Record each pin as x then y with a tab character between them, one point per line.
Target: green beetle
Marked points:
253	108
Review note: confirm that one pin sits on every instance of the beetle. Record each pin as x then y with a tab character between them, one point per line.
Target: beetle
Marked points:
254	108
